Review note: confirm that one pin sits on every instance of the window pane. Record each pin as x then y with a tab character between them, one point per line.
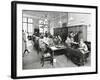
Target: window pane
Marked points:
41	30
46	21
30	20
41	26
46	26
25	27
45	30
40	22
30	29
24	19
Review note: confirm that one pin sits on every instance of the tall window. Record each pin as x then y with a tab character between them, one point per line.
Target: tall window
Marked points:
28	25
43	25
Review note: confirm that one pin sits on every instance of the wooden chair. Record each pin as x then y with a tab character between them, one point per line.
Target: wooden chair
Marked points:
46	56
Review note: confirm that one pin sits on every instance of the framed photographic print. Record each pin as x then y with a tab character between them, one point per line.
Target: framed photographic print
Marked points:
50	39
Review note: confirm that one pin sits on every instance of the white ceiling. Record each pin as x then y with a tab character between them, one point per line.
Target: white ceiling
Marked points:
42	14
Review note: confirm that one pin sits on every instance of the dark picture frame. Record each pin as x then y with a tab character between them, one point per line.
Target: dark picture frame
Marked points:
14	5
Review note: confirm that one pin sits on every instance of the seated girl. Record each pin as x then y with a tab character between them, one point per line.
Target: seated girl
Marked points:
82	46
69	40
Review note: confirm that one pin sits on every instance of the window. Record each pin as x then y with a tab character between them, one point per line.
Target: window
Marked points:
43	26
28	25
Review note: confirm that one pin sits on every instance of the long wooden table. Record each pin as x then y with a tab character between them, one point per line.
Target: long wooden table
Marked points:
57	49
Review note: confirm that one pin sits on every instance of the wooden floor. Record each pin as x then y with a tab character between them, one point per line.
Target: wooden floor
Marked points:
32	61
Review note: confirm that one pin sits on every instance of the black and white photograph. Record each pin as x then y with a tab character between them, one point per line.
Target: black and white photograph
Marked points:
54	40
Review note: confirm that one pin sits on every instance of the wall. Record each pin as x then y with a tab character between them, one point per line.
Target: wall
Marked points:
77	28
81	19
5	41
56	22
35	21
71	19
78	19
74	19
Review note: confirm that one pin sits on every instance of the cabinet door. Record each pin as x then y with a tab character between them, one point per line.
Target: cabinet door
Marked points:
63	32
78	28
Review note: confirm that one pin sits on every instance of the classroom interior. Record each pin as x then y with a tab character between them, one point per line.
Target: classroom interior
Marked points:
51	39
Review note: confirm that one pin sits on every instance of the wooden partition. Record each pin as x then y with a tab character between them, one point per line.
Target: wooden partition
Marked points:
78	28
63	32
